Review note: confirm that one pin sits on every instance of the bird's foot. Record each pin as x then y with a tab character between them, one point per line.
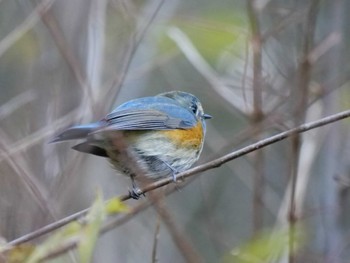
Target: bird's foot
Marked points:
174	172
136	193
174	175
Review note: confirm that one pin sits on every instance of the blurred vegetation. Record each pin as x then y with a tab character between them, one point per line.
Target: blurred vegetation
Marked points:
259	67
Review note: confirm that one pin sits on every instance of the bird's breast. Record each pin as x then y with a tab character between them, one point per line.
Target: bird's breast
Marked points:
188	138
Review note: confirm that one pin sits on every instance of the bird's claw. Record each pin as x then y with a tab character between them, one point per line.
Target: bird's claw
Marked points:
136	193
174	176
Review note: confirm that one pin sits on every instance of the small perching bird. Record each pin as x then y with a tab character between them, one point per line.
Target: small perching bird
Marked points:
164	134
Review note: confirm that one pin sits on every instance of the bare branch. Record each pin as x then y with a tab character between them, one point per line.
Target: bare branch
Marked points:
201	168
16	102
27	24
301	96
257	115
134	45
179	237
155	242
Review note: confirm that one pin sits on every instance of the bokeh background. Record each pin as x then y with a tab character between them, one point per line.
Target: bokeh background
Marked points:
259	67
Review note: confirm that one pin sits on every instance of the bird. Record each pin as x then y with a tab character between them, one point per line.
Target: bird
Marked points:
164	134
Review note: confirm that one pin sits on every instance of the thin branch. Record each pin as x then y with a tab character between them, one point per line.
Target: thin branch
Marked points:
95	46
179	237
136	40
72	243
16	102
333	39
201	168
257	115
115	222
34	187
293	18
27	24
155	242
38	136
301	96
257	60
192	54
67	54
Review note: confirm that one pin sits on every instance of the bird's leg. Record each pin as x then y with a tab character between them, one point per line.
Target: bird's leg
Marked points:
135	192
174	172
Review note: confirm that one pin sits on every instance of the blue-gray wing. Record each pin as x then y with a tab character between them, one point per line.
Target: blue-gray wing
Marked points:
150	113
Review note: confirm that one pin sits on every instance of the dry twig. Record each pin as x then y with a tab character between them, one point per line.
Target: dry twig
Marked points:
201	168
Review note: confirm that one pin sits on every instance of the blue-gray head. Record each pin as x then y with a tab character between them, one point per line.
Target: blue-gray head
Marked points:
188	101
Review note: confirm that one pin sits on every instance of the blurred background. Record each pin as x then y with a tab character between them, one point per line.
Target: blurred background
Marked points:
259	67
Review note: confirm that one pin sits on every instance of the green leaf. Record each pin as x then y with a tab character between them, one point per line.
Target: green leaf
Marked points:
90	231
115	206
58	239
18	254
265	247
85	236
214	34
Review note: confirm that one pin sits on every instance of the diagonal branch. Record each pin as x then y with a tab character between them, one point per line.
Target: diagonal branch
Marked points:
27	24
201	168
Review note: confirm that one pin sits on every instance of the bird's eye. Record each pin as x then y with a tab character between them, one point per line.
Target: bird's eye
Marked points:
194	108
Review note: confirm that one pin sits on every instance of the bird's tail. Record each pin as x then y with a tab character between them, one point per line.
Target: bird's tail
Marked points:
76	132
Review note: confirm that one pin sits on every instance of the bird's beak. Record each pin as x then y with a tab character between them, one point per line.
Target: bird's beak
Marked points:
207	116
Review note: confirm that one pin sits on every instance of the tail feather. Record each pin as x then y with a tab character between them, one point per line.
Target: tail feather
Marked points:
76	132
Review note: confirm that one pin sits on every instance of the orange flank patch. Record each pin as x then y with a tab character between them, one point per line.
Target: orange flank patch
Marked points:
187	138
